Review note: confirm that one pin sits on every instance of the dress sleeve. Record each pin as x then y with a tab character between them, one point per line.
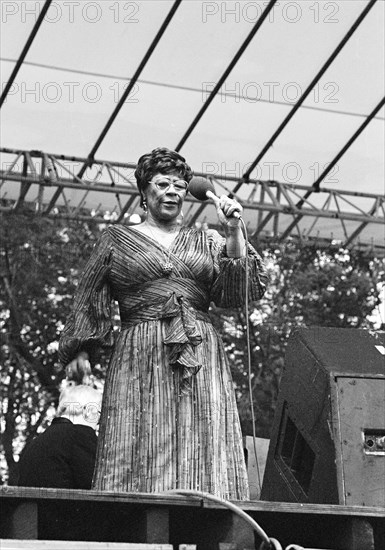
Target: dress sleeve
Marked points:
89	326
229	287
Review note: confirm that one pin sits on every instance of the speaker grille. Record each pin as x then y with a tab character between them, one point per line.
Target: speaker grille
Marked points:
293	453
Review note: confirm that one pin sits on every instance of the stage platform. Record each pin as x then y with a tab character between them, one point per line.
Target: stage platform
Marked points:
165	521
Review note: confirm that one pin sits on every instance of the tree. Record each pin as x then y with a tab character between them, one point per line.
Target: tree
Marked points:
308	287
39	264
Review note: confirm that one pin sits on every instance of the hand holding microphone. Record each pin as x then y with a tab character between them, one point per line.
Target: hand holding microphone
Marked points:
229	214
229	211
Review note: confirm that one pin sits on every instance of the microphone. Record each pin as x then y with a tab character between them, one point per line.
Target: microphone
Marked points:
203	189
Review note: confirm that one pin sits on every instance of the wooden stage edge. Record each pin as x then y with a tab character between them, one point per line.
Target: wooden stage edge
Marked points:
165	518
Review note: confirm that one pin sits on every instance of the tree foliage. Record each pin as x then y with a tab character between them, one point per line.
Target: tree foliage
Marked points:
40	263
308	287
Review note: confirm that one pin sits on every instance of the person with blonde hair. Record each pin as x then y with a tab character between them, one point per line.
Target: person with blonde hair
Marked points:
64	455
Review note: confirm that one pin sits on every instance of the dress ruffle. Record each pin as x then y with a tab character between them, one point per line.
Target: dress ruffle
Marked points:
182	336
169	417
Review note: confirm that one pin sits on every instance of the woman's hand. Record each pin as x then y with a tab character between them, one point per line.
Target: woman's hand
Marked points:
235	241
79	369
226	208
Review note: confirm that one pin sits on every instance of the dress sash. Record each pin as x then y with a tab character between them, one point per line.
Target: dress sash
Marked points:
181	335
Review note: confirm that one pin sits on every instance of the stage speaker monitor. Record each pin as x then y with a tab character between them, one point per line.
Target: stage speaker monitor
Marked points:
328	438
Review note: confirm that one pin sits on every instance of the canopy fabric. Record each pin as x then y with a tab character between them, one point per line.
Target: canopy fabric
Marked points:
85	53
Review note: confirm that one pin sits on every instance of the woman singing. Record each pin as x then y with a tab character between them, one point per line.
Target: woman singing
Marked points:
169	417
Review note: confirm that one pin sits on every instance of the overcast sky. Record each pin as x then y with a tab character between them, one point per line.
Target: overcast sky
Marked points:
86	51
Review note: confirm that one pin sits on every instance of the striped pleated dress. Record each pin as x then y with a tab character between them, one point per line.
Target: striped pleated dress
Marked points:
169	418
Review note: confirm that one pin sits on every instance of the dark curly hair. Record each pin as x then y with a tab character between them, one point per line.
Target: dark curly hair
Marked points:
160	160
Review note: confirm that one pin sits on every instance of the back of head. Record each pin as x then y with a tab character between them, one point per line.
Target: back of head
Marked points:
81	404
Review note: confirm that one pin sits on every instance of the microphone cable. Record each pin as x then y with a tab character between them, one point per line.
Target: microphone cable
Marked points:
267	543
248	350
231	506
203	189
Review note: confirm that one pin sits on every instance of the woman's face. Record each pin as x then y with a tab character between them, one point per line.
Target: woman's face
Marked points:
165	194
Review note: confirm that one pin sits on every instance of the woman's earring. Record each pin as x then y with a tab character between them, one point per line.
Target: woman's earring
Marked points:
144	205
180	218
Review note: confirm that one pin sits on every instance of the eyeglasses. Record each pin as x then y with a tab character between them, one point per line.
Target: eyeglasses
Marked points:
164	184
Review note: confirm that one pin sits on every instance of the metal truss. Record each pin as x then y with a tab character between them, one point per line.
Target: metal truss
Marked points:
48	185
